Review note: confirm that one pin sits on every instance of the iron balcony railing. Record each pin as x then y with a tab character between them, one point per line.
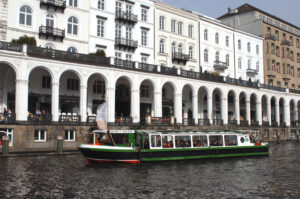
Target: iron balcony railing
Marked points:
251	72
220	65
270	87
51	32
232	122
160	121
270	36
190	74
217	122
244	123
7	118
67	56
11	46
294	91
147	67
126	16
91	119
286	42
124	63
180	57
203	122
241	82
265	123
127	43
69	119
254	123
274	124
56	4
188	121
168	70
39	118
121	121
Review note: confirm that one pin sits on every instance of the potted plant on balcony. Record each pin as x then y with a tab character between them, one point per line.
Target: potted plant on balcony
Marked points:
25	40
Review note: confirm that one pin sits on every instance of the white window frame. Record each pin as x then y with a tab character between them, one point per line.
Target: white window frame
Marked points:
191	31
69	132
173	26
227	60
191	52
227	41
100	27
206	34
144	15
162	22
118	6
39	135
240	62
180	26
128	57
118	31
217	56
144	59
144	37
239	44
217	38
118	55
73	3
10	133
101	4
27	15
71	26
162	46
206	55
257	49
249	47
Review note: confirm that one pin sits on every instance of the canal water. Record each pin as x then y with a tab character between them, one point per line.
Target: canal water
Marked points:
276	176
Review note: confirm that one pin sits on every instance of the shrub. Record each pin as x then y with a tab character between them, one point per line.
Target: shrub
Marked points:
25	40
100	53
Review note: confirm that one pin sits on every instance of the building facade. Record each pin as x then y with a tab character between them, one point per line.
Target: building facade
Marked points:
281	43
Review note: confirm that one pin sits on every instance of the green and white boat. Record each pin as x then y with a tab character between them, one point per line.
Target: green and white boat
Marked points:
136	146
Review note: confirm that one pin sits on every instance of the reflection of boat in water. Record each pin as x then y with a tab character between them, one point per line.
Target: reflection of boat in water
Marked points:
135	146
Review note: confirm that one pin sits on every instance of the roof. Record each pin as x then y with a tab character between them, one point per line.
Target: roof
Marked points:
245	8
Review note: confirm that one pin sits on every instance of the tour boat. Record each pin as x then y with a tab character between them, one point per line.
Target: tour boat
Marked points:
136	146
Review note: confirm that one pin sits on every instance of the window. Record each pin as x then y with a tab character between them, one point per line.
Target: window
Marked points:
99	87
230	140
118	31
277	51
227	41
298	57
239	44
144	14
50	20
101	4
180	28
144	90
144	59
292	71
25	16
128	57
128	33
199	140
173	26
173	48
249	64
257	66
297	43
216	140
50	46
155	141
118	7
191	52
100	28
161	22
180	49
277	35
291	40
73	3
288	69
118	55
144	37
182	141
227	60
298	72
283	69
217	38
268	47
257	49
162	46
206	55
191	30
278	67
128	9
73	84
167	141
72	50
240	62
73	26
273	48
217	56
205	34
46	82
7	132
249	47
40	135
70	135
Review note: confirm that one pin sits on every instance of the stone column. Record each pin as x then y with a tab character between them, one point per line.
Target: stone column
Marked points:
269	112
209	107
287	113
258	112
277	113
157	104
110	98
135	106
195	108
55	102
237	109
83	102
178	108
224	110
21	99
248	110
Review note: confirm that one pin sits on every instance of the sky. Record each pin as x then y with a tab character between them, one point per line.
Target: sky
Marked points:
287	10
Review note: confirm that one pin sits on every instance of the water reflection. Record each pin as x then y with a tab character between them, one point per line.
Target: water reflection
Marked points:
276	176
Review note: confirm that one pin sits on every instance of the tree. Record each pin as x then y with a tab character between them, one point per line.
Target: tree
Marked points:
100	53
25	40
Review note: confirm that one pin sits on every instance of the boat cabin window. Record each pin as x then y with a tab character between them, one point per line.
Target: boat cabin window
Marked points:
199	140
146	141
230	140
120	138
216	140
90	138
155	141
183	141
167	141
102	138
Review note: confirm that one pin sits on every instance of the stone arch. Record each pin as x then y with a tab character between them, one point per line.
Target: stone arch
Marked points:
264	109
232	117
53	77
168	98
123	106
146	94
217	108
187	103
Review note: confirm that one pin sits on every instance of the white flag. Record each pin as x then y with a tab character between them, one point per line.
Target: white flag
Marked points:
101	117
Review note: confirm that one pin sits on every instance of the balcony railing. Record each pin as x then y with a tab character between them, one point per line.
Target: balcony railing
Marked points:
218	65
91	119
188	122
124	63
168	70
286	42
126	43
270	36
147	67
294	91
265	123
67	56
244	123
217	122
274	124
54	33
161	121
7	118
241	82
39	119
11	46
270	87
254	123
251	72
69	119
126	17
232	122
56	4
123	121
282	124
180	58
190	74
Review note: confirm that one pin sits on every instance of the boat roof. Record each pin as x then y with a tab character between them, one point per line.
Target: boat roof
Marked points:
218	132
115	131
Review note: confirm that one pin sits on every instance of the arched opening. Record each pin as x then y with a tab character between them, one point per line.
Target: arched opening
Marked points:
243	111
7	93
187	105
217	107
202	106
281	112
146	100
69	93
273	111
231	108
253	118
264	110
123	99
298	111
293	113
39	95
96	93
167	100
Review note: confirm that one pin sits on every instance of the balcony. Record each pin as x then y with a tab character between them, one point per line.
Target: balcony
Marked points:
69	119
180	58
147	67
49	32
124	63
126	43
55	4
271	37
251	72
126	17
218	65
286	42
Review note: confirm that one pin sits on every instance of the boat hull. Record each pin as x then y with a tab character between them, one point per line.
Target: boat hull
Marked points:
148	155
